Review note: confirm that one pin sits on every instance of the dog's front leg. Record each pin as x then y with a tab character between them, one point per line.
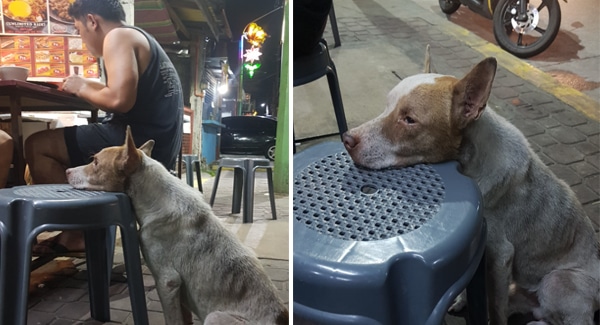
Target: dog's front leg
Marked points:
169	287
499	265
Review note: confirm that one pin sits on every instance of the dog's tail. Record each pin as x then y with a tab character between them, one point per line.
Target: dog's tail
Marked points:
428	65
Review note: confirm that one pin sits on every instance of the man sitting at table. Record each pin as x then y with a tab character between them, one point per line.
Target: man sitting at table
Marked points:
142	90
6	155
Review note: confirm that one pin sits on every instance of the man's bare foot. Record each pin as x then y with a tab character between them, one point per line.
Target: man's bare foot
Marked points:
67	243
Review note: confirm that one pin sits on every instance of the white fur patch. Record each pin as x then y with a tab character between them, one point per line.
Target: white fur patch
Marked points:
406	86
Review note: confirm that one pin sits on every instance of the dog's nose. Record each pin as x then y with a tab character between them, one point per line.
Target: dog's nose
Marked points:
349	141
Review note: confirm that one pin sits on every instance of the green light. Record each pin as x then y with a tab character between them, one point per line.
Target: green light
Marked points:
251	68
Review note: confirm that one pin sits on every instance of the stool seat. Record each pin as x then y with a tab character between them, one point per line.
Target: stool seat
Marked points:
243	184
26	211
382	247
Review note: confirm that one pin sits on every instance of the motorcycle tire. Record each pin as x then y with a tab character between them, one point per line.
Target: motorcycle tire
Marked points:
505	34
449	6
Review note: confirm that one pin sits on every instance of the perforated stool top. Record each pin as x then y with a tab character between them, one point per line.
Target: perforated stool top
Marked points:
380	247
54	191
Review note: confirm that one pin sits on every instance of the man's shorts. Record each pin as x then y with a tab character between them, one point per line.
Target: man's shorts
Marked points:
84	141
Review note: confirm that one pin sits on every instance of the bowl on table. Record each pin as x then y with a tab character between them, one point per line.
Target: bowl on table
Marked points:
14	73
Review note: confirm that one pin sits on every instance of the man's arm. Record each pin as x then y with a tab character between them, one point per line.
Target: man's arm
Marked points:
121	64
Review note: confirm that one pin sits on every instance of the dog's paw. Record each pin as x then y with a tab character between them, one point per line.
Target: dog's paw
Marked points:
459	304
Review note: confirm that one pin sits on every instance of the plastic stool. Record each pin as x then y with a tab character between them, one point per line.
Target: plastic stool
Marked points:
26	211
316	65
191	162
384	247
244	170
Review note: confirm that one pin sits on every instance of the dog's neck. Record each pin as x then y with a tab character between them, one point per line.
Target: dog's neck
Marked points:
492	146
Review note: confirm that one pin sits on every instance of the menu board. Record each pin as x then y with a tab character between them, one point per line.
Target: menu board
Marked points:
40	35
36	17
48	56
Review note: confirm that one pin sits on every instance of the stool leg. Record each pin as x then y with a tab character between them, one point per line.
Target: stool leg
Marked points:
198	175
135	280
98	275
239	174
271	192
476	296
249	193
189	170
336	98
214	189
16	279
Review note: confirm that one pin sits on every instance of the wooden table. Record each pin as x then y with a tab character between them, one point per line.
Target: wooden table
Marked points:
22	96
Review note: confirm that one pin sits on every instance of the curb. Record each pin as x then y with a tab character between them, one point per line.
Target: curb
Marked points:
570	96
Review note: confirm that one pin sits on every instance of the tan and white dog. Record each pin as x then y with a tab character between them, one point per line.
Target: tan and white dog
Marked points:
539	238
198	265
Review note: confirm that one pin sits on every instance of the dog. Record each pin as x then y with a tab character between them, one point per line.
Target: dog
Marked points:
540	244
199	266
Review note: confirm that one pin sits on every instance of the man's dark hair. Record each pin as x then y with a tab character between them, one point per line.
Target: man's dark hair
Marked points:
110	10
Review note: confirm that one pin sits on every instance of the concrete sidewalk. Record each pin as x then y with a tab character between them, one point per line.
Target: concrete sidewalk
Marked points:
59	292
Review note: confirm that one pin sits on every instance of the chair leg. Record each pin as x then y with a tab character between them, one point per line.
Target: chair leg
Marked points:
14	308
239	180
336	98
135	280
98	276
334	27
271	193
214	189
198	174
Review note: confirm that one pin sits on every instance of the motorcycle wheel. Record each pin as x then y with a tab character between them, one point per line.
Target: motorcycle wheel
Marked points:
449	6
529	38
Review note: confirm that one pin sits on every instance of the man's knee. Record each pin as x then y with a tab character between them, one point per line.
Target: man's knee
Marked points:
47	142
4	137
6	144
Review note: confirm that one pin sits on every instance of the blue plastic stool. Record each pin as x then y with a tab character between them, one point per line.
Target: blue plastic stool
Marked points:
244	170
26	211
384	247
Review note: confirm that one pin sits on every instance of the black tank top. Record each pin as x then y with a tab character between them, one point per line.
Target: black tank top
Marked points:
158	110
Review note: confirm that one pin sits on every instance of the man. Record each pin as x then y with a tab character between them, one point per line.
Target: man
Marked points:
6	154
142	90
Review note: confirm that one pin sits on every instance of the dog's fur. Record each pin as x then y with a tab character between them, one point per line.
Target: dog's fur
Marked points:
540	241
198	265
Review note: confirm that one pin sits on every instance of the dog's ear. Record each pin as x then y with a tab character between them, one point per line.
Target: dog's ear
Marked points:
428	65
472	92
130	158
147	147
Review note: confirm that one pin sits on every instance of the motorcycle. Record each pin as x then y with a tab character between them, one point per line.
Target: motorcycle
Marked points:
522	27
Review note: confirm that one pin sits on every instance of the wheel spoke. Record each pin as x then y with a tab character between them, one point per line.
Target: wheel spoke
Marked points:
520	40
540	30
542	5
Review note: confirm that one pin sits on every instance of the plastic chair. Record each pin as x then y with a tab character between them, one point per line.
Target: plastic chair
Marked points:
26	211
384	247
244	170
316	65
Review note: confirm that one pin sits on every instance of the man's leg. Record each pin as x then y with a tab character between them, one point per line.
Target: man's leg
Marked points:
6	156
48	159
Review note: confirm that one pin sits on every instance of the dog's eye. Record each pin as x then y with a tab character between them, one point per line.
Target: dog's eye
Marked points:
409	120
95	161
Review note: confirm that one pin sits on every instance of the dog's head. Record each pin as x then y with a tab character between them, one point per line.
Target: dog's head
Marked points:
111	167
424	119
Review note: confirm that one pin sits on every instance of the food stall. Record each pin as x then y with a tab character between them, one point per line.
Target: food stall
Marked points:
40	35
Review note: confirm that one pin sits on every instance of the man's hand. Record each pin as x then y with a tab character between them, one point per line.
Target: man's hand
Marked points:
73	84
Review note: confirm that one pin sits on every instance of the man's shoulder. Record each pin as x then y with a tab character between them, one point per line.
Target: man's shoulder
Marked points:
126	32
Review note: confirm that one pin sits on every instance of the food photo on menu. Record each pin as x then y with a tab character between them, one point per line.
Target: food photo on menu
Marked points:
40	35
